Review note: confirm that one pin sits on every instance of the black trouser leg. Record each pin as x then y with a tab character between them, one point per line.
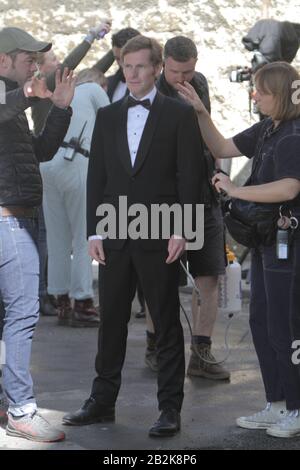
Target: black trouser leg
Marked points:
260	331
117	284
270	324
140	296
159	282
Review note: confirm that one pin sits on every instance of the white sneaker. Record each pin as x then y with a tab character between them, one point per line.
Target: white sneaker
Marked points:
34	427
286	427
265	418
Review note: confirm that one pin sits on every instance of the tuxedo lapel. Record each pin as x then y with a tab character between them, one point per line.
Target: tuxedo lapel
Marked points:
148	132
113	81
121	138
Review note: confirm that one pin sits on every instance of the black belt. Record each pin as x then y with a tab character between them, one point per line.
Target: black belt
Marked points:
19	211
77	148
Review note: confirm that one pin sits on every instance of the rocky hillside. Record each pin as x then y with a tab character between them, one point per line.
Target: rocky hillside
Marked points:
216	26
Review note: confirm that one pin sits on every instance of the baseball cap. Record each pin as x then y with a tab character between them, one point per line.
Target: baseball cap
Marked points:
16	38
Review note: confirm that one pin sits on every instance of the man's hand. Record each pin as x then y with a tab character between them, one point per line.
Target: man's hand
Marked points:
99	31
37	87
64	88
95	248
176	247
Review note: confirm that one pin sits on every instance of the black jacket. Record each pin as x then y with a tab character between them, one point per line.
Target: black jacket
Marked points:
200	84
113	82
167	168
20	152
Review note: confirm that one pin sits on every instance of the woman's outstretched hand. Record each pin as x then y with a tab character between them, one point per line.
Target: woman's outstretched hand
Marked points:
187	92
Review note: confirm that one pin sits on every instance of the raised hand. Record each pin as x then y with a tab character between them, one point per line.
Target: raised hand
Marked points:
64	88
101	29
189	94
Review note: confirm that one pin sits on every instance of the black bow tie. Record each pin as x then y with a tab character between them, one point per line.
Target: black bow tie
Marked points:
132	102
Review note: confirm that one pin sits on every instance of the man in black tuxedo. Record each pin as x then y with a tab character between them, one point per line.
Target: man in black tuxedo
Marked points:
116	88
146	147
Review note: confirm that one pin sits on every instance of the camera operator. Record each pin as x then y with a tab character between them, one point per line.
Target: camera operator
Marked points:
64	204
270	41
48	63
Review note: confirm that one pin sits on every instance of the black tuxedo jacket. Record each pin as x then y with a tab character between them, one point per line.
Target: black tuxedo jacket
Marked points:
113	81
169	166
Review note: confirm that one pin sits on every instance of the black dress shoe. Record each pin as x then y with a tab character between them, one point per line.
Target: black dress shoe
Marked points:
91	412
168	424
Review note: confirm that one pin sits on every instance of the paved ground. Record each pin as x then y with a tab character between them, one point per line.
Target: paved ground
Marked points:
62	367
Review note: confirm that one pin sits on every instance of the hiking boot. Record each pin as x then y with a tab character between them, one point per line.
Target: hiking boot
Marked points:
33	427
151	354
85	314
265	418
64	309
202	364
289	426
47	307
3	409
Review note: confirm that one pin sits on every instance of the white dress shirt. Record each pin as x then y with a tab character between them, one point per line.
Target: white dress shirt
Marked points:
136	121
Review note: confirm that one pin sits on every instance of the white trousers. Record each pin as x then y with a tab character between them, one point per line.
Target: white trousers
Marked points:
64	203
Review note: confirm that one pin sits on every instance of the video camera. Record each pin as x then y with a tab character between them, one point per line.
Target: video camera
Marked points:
269	40
243	74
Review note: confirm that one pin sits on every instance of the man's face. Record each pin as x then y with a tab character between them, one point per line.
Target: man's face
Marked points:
50	63
179	72
117	54
22	67
139	72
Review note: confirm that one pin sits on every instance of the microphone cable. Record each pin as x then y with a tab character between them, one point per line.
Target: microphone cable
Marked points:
230	318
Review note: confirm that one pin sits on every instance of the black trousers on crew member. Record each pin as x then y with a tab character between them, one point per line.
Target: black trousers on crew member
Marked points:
270	321
117	285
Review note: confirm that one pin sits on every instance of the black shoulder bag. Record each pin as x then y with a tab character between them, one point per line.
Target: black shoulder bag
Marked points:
251	223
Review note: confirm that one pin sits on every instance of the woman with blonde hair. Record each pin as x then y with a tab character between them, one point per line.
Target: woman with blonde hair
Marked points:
92	75
274	144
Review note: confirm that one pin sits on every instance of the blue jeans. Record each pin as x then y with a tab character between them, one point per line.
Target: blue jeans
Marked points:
19	284
2	313
43	252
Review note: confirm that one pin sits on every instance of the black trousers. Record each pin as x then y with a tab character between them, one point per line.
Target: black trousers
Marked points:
270	321
117	285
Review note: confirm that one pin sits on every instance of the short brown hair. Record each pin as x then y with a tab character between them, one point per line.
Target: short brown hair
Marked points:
92	75
142	42
181	49
120	38
277	79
